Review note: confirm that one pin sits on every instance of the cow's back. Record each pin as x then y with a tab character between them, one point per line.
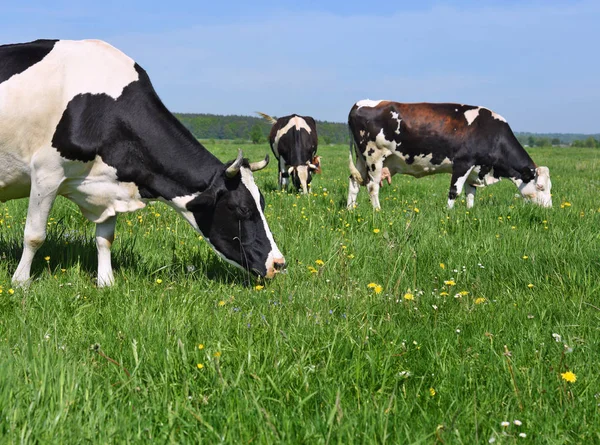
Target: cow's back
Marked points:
294	138
37	82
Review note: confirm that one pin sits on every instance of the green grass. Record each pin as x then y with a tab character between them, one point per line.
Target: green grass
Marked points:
316	356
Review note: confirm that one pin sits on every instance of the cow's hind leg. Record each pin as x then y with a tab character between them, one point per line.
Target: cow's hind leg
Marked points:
41	197
358	176
105	235
459	177
470	192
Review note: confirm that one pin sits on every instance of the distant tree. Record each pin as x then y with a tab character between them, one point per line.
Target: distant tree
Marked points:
555	141
543	142
531	141
590	142
256	134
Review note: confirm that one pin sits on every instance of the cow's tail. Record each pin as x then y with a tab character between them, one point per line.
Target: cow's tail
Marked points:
353	170
266	117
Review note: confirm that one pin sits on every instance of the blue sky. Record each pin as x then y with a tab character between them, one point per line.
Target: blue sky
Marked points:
534	62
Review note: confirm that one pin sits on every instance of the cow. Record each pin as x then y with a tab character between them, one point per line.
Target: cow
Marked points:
294	141
474	144
82	120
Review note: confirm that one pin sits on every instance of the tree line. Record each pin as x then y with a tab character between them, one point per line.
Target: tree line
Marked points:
256	129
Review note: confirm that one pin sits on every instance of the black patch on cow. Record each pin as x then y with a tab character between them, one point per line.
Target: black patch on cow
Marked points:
16	58
372	167
370	152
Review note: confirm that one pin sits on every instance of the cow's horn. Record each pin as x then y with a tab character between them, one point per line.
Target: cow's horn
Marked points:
255	166
234	168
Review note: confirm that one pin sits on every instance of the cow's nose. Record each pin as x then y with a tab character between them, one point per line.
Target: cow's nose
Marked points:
279	265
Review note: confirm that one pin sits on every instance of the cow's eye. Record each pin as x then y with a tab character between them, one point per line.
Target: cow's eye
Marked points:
244	212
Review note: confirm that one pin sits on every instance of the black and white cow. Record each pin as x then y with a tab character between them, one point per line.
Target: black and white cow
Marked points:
294	141
472	143
81	119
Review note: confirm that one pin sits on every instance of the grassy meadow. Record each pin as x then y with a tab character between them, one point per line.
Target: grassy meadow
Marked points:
415	324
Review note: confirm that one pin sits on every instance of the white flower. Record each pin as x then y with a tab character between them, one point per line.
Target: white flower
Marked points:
458	331
517	422
492	439
523	435
557	338
505	423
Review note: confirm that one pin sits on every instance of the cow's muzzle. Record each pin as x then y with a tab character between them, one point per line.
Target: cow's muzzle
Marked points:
277	267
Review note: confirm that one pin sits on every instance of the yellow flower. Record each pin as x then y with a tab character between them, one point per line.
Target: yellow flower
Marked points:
378	289
217	354
351	256
416	210
221	303
567	204
200	346
409	296
431	392
442	265
525	257
47	258
463	293
376	230
158	281
450	283
320	262
372	285
530	285
569	376
63	270
200	365
444	294
479	300
312	269
259	287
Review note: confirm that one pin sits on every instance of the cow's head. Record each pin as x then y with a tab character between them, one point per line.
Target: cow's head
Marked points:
539	189
230	214
302	174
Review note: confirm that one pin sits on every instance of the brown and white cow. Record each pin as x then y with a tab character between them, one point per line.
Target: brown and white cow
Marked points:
294	141
472	143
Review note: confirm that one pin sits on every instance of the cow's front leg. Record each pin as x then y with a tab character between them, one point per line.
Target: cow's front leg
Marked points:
459	177
105	235
470	192
41	198
283	175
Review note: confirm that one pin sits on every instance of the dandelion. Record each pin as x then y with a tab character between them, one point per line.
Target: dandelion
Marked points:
320	262
409	296
372	285
158	281
444	294
416	210
442	265
525	257
479	300
47	258
221	303
259	287
378	289
431	392
217	354
312	269
569	376
200	365
376	230
351	256
463	293
450	283
11	291
201	346
530	286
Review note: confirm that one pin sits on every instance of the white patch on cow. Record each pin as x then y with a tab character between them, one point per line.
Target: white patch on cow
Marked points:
497	116
94	187
471	115
396	116
295	122
368	103
303	177
362	133
421	166
179	203
248	181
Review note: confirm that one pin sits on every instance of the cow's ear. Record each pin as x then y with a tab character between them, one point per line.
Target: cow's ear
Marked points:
205	200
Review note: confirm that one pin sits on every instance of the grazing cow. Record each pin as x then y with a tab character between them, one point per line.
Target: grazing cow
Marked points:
474	144
293	140
81	119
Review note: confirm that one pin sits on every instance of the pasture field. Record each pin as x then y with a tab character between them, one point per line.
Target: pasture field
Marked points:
414	324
